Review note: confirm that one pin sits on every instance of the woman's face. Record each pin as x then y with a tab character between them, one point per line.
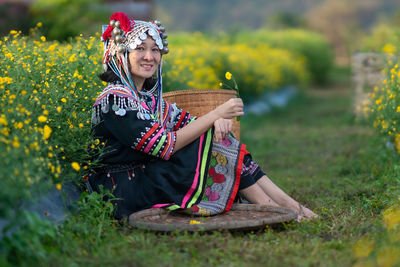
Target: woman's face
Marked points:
144	60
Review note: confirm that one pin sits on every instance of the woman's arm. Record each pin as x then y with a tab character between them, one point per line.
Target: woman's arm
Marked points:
228	110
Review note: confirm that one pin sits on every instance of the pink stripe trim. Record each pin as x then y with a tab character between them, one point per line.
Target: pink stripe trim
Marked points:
196	178
116	92
150	144
162	205
187	120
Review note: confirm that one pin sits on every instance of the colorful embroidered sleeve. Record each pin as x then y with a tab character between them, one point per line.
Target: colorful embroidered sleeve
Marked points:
178	118
145	135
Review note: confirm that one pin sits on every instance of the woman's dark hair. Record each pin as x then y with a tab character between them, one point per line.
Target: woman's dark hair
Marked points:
110	77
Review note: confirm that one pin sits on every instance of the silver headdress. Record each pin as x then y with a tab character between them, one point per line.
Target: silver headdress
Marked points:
122	36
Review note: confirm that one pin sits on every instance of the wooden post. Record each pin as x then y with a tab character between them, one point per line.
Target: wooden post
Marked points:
367	73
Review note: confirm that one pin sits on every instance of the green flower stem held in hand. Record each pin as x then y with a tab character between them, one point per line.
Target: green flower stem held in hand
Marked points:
230	77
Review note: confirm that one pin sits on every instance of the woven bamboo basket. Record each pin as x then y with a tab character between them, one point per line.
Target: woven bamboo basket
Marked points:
240	217
200	101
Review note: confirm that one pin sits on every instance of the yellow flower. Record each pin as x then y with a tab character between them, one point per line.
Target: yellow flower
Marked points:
363	247
46	132
397	142
19	125
39	24
75	166
72	58
391	217
58	109
63	100
42	118
43	39
59	186
387	256
228	75
220	84
15	142
3	121
389	49
194	222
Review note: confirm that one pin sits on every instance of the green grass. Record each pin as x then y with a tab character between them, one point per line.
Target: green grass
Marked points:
314	149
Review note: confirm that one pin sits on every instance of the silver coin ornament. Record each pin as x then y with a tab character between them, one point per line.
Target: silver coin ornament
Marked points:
132	46
116	31
112	23
165	50
157	22
159	43
152	32
119	38
140	116
138	42
121	48
164	42
143	36
121	112
105	108
115	107
118	24
147	116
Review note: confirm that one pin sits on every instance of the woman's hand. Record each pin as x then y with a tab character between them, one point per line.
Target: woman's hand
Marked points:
222	129
230	109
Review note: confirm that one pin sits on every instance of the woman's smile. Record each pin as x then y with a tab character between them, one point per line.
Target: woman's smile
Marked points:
146	66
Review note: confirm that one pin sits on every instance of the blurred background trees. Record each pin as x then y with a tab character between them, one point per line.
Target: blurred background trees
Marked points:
62	19
345	24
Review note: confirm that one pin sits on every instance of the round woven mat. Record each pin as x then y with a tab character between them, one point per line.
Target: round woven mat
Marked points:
241	216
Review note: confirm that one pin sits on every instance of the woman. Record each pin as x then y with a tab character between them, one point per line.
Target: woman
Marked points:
156	154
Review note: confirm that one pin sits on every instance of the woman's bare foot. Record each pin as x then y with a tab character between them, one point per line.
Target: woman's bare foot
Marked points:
305	214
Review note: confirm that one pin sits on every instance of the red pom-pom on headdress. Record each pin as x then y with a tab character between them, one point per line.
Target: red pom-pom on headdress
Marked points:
125	24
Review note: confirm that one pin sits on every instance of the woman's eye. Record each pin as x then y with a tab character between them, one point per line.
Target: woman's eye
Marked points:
140	48
156	49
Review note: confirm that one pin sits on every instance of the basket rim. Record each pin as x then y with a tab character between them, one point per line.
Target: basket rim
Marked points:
199	91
